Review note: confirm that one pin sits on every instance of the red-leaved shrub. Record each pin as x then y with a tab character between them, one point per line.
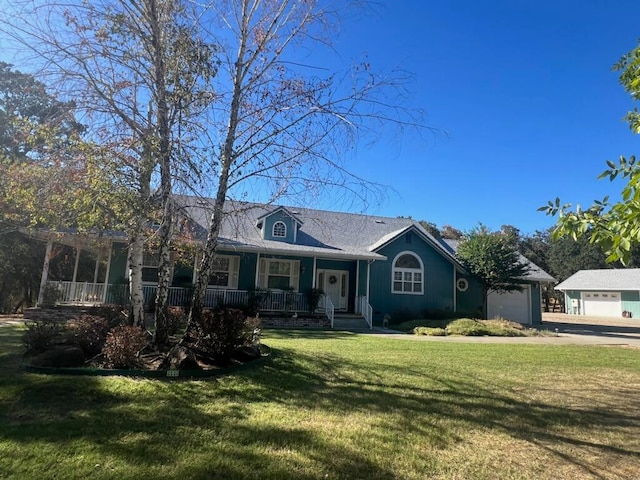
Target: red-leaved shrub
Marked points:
89	332
122	346
222	331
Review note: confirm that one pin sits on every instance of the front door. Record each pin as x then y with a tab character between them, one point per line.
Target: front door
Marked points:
335	284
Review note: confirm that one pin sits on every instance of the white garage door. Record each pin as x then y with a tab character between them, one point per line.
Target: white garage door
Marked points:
602	304
514	306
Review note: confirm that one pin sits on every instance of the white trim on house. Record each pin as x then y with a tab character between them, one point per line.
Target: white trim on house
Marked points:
267	278
282	229
404	276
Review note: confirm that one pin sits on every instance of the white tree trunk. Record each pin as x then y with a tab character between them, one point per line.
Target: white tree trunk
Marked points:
136	252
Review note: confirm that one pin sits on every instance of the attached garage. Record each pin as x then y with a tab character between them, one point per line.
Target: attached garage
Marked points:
602	304
514	306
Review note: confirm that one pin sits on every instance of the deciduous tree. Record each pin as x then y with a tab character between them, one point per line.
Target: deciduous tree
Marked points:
140	71
282	124
493	257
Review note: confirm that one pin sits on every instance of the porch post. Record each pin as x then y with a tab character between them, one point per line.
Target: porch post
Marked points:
75	265
45	271
315	272
106	274
95	271
357	278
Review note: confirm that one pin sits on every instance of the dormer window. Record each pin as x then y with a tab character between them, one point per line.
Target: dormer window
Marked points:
279	230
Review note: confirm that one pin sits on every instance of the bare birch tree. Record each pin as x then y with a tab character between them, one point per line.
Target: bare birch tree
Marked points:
140	70
282	123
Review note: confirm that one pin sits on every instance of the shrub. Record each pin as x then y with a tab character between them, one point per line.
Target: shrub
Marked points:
430	331
41	336
114	315
122	346
177	319
222	331
255	300
468	327
314	295
504	328
89	332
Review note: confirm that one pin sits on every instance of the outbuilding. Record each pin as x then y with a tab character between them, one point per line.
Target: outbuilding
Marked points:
603	293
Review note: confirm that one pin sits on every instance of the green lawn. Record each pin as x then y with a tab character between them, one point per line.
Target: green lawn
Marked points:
335	406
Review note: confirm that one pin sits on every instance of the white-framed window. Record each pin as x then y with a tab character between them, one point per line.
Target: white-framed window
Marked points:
462	284
224	271
277	274
150	264
407	274
279	229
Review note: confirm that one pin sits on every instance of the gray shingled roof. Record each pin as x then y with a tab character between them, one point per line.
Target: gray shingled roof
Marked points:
535	273
604	279
322	233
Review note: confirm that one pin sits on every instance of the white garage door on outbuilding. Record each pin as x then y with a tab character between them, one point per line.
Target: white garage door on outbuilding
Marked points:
514	306
602	304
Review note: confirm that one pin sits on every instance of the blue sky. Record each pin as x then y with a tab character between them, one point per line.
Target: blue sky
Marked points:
521	93
525	93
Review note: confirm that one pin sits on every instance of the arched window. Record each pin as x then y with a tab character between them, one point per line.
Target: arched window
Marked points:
279	229
407	274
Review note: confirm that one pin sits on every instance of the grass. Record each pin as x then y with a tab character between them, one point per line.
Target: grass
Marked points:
335	406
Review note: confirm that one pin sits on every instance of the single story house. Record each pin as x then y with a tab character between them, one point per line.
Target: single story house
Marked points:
364	265
603	293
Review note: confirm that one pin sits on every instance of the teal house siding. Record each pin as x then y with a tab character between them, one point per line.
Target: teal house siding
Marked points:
470	301
118	268
572	295
279	216
536	304
182	276
362	279
438	281
117	281
247	272
631	303
306	274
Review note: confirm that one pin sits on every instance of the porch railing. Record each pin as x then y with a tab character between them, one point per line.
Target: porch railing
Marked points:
365	309
82	293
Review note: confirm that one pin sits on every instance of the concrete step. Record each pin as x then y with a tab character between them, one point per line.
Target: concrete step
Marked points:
349	322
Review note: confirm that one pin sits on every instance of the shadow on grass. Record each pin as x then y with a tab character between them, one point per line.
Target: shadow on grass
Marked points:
309	334
146	424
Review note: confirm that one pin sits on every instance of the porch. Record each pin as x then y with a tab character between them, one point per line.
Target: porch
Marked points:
68	293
